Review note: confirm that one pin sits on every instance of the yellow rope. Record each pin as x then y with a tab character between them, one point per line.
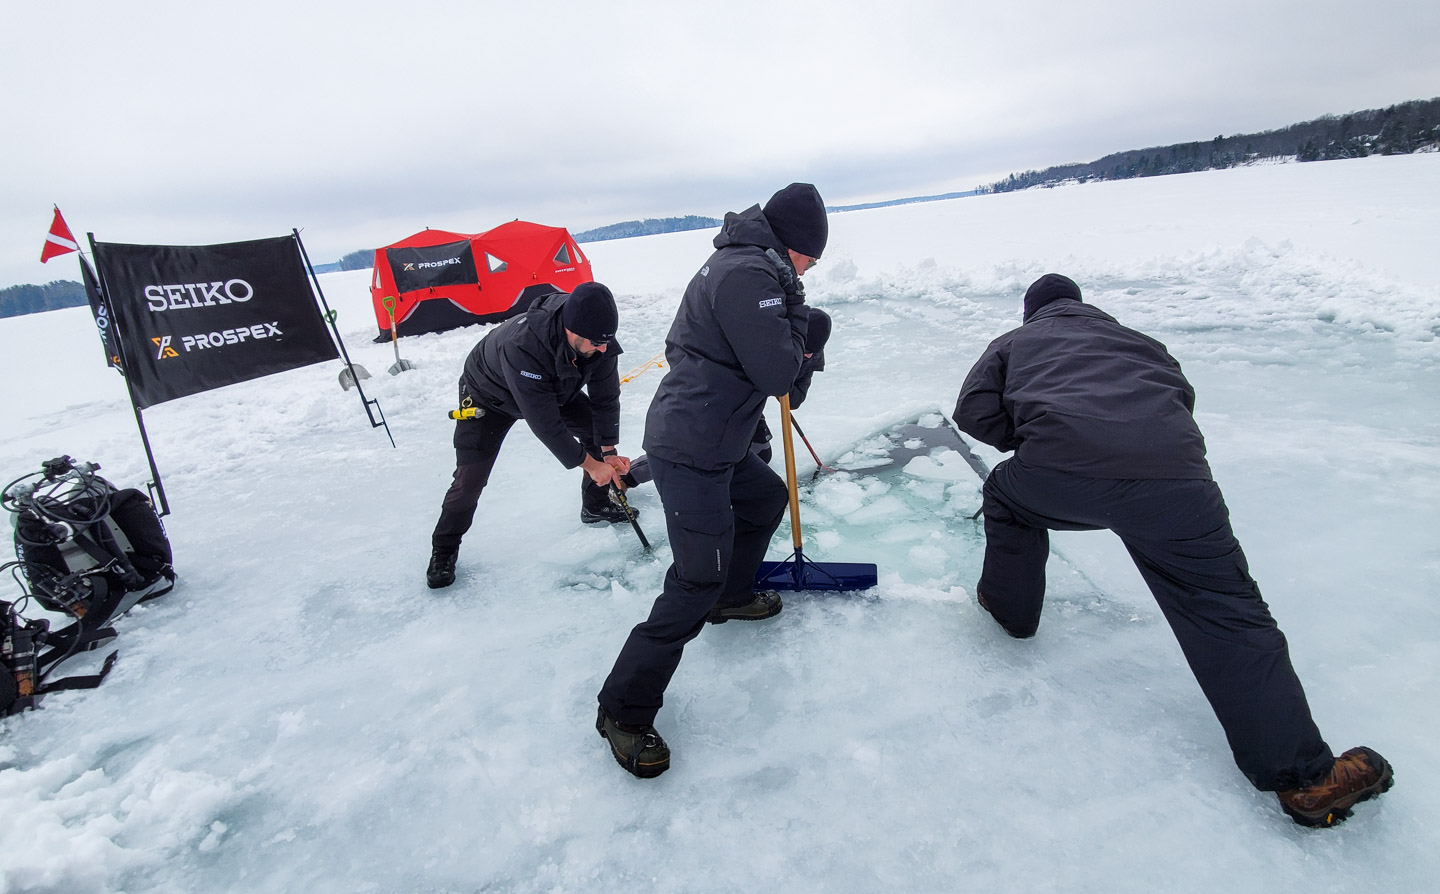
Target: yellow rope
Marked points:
657	362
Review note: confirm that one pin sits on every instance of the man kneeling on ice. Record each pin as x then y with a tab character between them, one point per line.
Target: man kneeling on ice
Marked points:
1099	417
738	337
553	366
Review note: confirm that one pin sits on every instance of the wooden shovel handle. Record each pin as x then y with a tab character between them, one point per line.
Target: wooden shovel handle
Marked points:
789	441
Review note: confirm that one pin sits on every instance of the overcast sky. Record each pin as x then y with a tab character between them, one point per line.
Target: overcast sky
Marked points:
361	122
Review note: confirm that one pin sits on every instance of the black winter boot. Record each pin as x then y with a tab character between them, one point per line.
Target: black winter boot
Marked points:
639	749
441	572
766	604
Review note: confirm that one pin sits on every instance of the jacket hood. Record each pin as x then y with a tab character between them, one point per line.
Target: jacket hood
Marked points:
1068	307
544	308
544	319
749	227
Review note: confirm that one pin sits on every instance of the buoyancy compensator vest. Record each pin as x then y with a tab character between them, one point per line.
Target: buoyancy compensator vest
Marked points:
87	550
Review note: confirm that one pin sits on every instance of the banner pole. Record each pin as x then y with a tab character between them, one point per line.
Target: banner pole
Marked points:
156	486
335	330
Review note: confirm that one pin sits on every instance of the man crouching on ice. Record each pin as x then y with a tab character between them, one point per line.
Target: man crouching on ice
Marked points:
1099	417
553	366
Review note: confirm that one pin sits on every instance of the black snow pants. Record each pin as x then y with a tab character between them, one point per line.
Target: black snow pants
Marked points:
477	444
1178	533
720	524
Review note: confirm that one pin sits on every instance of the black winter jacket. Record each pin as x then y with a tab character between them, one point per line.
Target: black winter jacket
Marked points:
809	366
1075	391
738	337
525	368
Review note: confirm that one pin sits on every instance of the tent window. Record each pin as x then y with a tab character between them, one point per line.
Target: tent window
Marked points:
496	265
563	255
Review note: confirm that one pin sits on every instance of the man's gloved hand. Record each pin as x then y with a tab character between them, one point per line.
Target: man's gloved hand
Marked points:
601	473
794	288
620	463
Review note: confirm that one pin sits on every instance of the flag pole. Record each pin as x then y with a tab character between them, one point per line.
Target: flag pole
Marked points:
335	330
156	486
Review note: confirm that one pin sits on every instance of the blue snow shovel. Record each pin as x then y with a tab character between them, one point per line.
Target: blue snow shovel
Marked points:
798	572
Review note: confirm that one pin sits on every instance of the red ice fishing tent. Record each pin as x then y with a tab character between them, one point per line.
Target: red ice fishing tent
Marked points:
439	280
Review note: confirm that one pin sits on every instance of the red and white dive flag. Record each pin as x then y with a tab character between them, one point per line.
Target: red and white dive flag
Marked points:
59	241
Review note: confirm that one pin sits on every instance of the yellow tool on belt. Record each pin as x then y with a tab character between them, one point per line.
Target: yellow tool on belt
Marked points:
467	410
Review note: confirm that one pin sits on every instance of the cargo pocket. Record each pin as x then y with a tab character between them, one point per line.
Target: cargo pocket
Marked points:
701	542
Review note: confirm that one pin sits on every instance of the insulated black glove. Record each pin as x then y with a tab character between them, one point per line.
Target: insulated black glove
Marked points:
794	288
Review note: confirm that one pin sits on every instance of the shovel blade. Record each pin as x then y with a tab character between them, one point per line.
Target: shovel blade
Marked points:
399	366
799	573
347	378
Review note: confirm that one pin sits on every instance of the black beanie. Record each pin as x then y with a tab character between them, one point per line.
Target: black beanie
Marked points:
817	332
590	313
1048	288
797	217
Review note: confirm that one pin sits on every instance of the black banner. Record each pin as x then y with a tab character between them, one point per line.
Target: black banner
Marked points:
196	317
101	311
450	264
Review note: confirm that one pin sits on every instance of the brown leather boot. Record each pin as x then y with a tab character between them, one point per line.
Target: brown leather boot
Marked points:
1358	775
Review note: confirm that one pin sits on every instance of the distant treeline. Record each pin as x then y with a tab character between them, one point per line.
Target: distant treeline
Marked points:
649	227
28	299
1398	130
866	206
355	260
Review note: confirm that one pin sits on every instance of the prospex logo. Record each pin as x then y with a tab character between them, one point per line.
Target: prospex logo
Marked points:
225	337
162	347
411	266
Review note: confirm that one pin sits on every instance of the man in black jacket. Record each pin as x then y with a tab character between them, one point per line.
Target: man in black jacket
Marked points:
817	333
553	366
738	338
1099	417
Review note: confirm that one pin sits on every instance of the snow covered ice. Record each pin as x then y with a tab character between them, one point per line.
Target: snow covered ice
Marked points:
302	713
